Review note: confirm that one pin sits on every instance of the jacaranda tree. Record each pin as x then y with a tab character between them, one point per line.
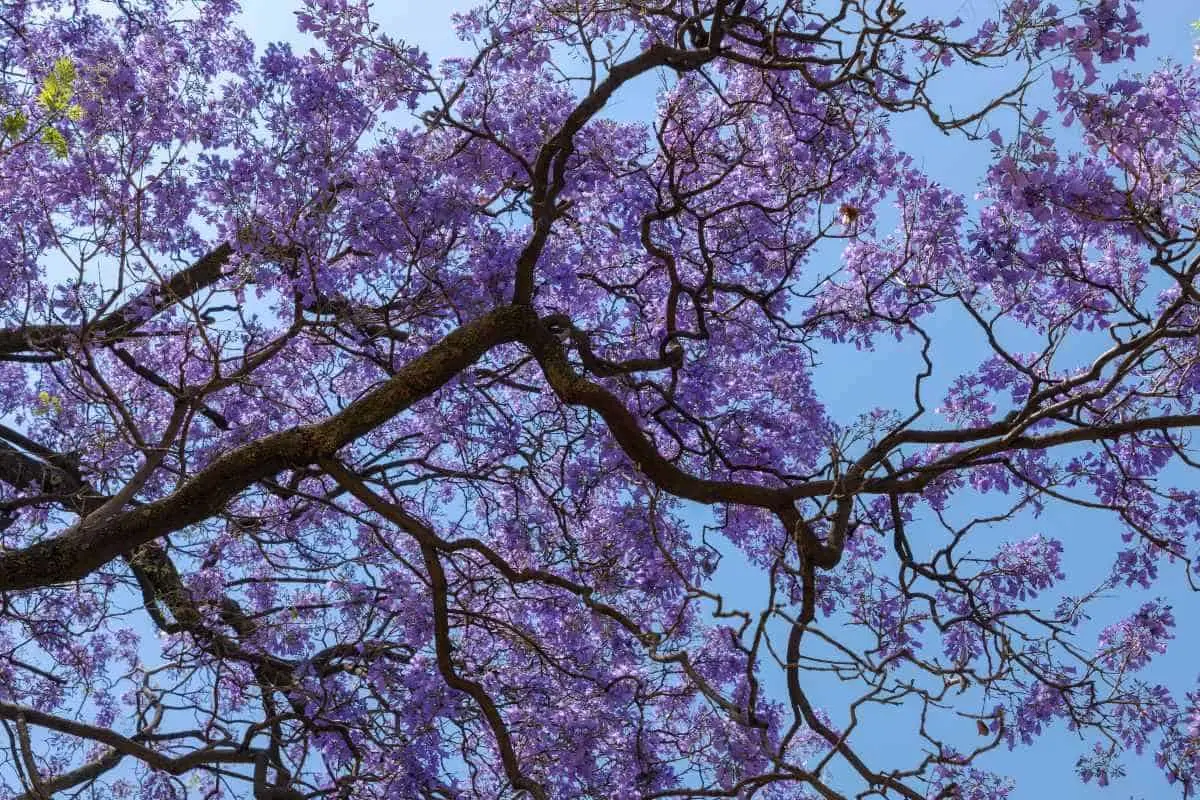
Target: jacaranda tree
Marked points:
372	427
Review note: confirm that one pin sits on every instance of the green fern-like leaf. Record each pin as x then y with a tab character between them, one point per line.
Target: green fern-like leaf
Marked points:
14	124
59	87
54	139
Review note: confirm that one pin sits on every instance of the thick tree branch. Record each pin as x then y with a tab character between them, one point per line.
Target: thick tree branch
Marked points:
124	321
125	745
88	772
84	547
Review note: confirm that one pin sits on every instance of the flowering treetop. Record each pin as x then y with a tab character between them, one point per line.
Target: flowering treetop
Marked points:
373	427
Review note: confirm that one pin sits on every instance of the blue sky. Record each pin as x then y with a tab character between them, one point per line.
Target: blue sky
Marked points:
852	381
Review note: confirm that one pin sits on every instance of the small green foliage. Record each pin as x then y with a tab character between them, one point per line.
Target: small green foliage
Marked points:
47	404
59	87
54	139
14	124
55	96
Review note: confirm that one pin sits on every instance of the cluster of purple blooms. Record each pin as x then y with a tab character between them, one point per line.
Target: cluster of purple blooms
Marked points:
377	426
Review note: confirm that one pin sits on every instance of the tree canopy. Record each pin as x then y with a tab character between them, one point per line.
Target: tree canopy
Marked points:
373	426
